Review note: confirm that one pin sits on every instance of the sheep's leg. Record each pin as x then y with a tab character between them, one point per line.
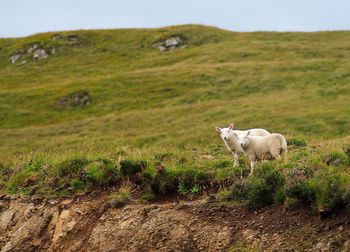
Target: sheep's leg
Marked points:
235	160
252	163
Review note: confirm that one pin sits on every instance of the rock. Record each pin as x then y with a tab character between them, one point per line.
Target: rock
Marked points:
169	44
14	58
76	99
346	246
162	48
73	38
174	41
64	224
40	54
66	202
31	49
22	63
6	218
29	230
321	247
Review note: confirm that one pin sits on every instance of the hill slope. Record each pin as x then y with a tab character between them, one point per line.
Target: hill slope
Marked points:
295	83
97	98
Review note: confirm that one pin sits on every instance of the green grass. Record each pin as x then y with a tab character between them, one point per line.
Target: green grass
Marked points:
161	107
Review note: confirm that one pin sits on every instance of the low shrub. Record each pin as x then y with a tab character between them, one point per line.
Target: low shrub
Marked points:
165	182
330	189
102	173
123	196
264	186
239	191
183	189
77	185
130	168
72	167
296	186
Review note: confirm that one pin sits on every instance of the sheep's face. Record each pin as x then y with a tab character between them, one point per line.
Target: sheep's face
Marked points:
244	140
226	134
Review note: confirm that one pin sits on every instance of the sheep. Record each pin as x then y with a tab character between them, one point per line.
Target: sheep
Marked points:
232	143
259	148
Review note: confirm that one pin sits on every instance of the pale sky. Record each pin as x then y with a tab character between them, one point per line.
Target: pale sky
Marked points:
25	17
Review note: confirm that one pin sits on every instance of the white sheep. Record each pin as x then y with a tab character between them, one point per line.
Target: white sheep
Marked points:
259	148
231	139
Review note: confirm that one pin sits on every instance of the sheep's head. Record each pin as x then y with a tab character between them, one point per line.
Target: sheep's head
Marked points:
226	133
244	140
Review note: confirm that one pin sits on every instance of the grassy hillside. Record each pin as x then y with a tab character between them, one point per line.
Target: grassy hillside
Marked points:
147	104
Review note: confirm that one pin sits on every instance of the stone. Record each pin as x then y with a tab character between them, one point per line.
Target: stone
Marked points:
77	99
64	224
174	41
162	48
31	49
14	58
346	246
40	54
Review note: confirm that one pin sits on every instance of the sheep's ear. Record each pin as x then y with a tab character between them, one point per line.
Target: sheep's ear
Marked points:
218	129
231	126
235	135
248	133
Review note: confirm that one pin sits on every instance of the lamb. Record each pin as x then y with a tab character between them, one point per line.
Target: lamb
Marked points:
232	142
259	148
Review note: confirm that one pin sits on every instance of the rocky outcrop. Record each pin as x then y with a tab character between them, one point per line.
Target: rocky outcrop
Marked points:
169	44
40	54
83	224
14	58
34	52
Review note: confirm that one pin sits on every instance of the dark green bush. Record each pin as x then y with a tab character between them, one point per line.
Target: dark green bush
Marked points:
238	191
194	176
165	182
330	192
102	173
77	185
147	179
260	193
183	189
72	168
130	168
263	185
300	190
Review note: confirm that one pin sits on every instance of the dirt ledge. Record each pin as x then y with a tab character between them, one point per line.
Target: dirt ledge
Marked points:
83	224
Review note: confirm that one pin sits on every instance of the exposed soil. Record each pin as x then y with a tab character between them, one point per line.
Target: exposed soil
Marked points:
85	224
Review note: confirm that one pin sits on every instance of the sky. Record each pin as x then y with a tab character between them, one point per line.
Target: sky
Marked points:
25	17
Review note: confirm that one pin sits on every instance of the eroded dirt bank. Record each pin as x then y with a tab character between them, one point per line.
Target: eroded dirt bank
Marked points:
86	224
